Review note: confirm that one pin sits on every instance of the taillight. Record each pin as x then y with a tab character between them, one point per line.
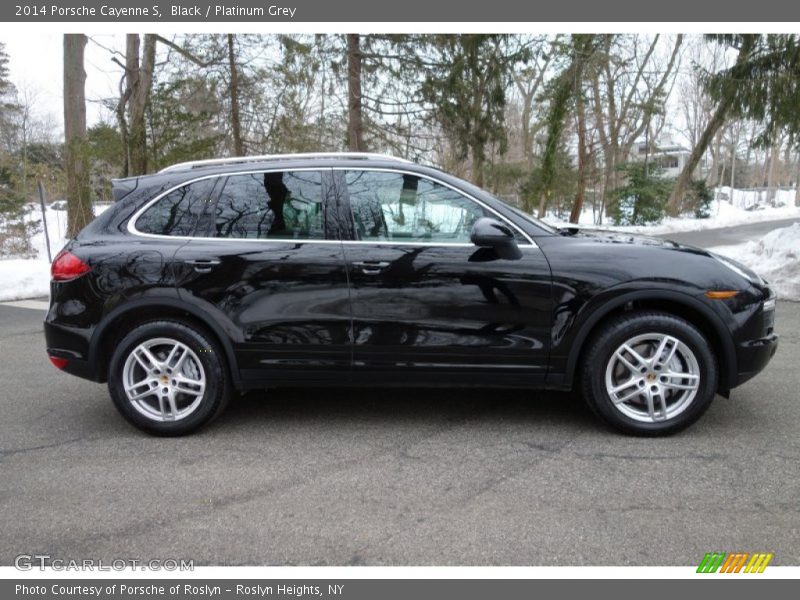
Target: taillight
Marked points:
67	266
58	362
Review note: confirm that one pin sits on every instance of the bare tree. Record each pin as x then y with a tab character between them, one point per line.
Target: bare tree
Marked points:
629	88
529	82
135	87
584	159
79	207
714	124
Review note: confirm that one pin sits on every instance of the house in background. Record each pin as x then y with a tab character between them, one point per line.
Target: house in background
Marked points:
666	155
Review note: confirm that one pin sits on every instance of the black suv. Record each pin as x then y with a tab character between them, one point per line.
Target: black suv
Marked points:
356	269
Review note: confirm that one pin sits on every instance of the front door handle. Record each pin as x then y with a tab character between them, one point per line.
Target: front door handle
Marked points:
203	265
371	267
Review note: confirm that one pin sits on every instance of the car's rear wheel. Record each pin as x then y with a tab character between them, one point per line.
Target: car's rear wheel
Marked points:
649	373
168	378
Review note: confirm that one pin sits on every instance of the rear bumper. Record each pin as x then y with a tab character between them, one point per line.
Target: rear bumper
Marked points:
72	344
753	356
75	366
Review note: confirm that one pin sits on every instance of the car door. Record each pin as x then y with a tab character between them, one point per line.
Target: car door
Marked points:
267	259
424	298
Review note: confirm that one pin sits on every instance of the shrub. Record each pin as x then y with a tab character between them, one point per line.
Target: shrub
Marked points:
643	198
698	199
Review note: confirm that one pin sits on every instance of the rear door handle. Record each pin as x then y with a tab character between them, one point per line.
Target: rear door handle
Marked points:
203	265
371	267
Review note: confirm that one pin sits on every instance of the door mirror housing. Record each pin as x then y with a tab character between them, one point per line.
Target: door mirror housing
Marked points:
491	233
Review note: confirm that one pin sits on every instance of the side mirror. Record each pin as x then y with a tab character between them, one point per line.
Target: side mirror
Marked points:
491	233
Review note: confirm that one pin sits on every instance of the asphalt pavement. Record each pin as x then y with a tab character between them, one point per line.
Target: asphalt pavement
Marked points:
398	477
726	236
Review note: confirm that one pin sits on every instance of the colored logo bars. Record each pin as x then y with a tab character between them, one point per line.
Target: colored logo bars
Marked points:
734	562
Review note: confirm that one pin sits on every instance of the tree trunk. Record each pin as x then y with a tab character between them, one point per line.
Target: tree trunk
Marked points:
355	119
122	121
132	43
583	161
477	168
713	173
566	87
712	127
774	152
527	138
79	205
734	143
236	122
140	83
797	183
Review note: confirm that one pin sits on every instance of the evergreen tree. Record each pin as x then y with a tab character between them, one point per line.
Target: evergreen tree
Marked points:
8	104
641	200
465	84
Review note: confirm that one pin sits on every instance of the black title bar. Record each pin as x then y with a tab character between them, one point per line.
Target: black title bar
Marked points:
473	11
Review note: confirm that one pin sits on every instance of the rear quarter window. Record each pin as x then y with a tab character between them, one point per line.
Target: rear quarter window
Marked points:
177	213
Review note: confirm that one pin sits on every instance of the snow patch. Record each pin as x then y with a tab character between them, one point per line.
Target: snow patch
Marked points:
30	278
24	278
775	257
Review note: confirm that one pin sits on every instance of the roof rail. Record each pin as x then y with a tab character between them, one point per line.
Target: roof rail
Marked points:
265	157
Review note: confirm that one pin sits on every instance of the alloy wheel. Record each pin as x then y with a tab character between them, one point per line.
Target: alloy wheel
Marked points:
652	377
164	379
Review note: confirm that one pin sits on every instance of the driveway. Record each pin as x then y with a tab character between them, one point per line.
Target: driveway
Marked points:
727	236
400	477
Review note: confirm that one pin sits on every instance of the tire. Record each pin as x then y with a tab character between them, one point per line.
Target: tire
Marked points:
619	383
177	375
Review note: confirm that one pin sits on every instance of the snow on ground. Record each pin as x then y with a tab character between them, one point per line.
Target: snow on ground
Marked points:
24	278
29	278
775	257
746	206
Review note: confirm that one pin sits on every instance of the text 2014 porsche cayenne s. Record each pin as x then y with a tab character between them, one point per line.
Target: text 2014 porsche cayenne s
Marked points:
226	275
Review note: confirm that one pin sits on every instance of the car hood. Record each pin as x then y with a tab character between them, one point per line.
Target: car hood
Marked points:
608	236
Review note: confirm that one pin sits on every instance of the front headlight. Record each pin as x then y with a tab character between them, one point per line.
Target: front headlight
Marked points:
769	304
739	269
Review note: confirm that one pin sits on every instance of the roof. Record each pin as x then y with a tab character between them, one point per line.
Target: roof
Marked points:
267	158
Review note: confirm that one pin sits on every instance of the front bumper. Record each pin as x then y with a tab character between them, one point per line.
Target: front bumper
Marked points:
754	355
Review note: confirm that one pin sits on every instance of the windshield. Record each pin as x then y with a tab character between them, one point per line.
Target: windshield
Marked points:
531	219
522	214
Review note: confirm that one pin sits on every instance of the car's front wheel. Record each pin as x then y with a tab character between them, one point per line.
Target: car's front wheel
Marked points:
649	373
167	378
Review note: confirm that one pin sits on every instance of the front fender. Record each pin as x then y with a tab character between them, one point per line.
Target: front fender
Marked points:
568	346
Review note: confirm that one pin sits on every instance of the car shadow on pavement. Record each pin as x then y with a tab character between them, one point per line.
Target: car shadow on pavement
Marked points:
402	405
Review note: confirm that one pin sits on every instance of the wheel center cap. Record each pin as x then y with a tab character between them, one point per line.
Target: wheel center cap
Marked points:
651	377
164	379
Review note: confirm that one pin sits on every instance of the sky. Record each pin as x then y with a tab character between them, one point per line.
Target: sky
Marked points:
35	64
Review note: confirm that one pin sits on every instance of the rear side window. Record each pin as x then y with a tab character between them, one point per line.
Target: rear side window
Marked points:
275	205
177	212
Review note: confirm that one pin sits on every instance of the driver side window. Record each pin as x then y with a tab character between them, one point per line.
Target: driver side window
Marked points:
390	206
